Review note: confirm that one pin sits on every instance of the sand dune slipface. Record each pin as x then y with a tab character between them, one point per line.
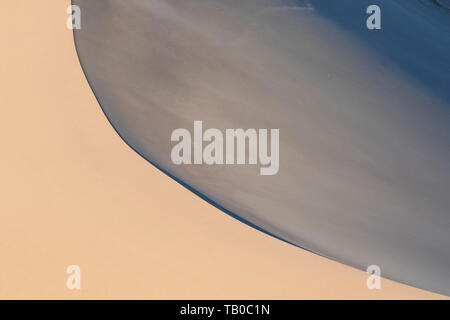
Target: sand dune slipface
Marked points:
363	115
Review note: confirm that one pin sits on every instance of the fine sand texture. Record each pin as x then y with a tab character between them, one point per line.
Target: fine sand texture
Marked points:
73	193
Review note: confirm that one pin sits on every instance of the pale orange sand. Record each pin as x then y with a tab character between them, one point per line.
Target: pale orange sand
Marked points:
74	193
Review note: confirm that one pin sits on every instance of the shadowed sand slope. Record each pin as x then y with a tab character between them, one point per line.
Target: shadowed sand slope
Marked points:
74	193
363	115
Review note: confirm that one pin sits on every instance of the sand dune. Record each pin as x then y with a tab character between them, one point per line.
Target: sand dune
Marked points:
74	193
362	115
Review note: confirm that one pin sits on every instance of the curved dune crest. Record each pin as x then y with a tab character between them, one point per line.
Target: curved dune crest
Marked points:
76	194
363	115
